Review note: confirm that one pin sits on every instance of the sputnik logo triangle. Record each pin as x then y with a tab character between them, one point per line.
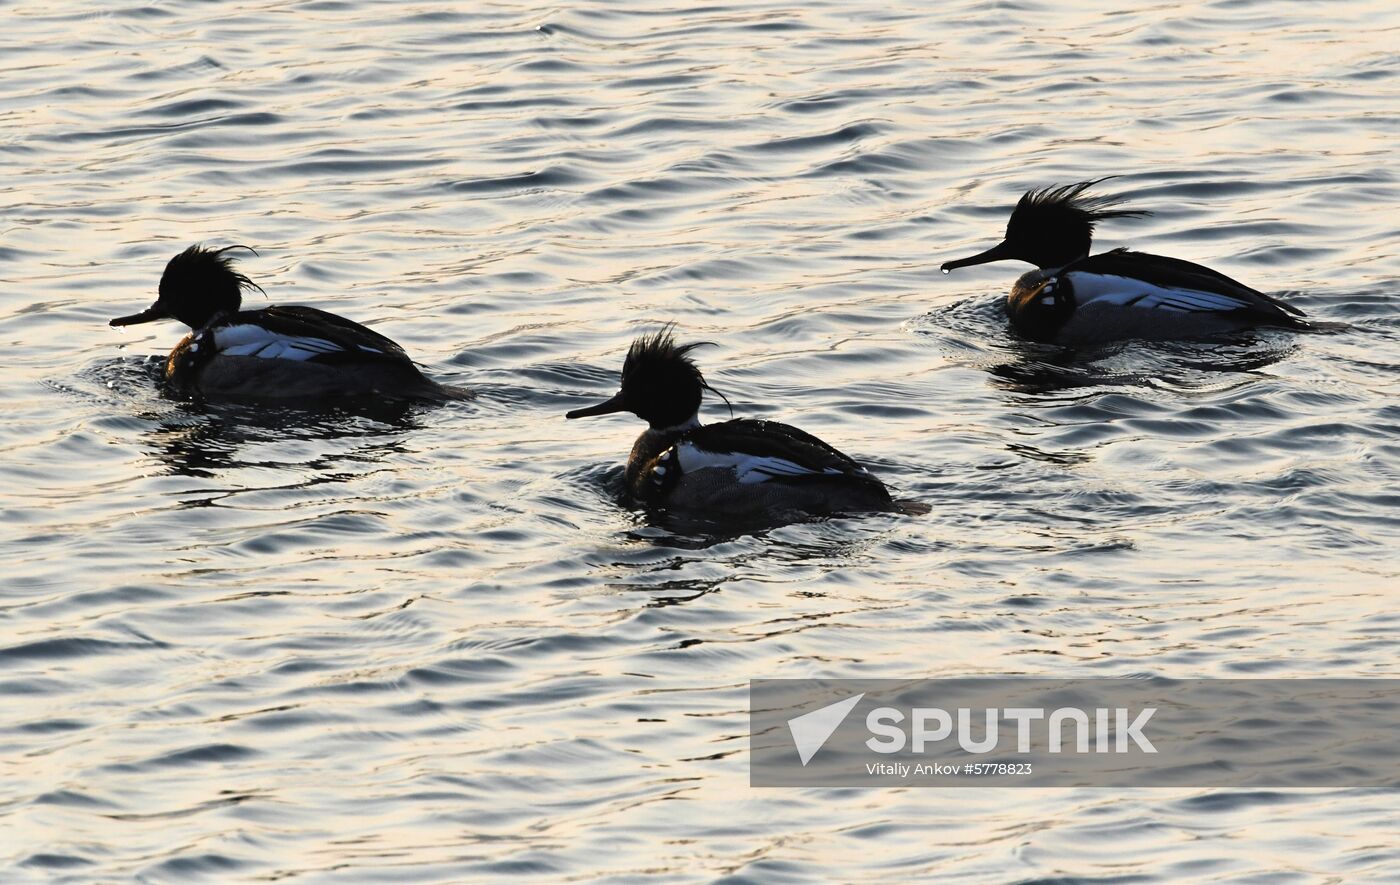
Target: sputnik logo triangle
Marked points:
811	730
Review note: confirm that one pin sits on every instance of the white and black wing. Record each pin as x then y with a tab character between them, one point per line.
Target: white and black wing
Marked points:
1148	282
302	333
764	451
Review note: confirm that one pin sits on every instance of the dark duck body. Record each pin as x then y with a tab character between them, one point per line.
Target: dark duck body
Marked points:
742	468
282	352
1077	298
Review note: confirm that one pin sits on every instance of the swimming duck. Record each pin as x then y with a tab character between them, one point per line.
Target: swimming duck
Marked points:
1075	297
281	352
737	468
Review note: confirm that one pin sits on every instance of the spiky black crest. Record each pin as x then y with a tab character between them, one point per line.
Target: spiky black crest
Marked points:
661	382
1070	202
659	350
1054	226
206	267
1051	228
200	284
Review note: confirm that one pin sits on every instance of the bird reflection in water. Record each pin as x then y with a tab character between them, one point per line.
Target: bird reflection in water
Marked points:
206	440
1181	365
674	561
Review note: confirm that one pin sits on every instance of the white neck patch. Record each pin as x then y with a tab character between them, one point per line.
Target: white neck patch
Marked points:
690	424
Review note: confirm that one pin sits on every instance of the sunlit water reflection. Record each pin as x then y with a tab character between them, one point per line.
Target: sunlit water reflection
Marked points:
427	642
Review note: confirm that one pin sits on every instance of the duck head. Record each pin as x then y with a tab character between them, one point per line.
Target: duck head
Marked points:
198	285
660	384
1052	227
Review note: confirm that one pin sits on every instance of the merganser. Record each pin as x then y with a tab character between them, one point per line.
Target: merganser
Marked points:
741	468
1077	298
282	352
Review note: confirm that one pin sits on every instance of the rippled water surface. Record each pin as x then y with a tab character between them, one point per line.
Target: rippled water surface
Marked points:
428	644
